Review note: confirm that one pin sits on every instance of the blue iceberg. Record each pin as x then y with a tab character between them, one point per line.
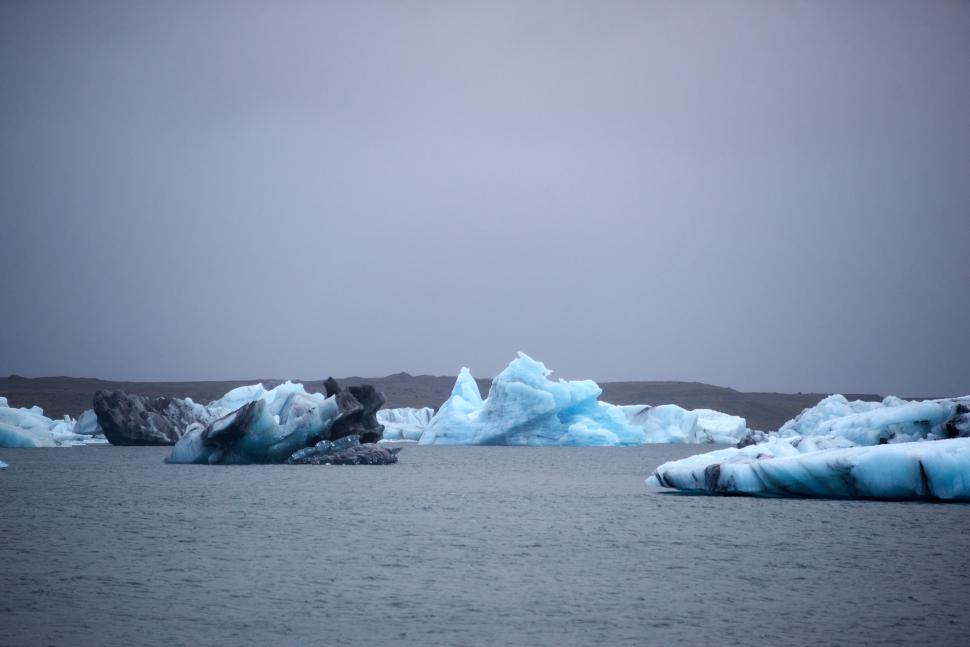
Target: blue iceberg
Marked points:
261	431
267	428
257	425
524	407
87	424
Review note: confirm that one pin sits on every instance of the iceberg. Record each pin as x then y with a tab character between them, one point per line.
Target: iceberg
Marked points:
524	407
839	449
669	423
3	465
253	434
453	424
279	423
869	423
87	424
128	419
24	427
928	470
405	423
345	451
20	427
358	406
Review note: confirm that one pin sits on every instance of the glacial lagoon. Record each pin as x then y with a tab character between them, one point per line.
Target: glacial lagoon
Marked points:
458	545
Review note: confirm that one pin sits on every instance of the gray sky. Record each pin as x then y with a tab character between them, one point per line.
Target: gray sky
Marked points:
764	195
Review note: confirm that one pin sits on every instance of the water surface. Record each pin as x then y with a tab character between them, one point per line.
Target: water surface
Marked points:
457	545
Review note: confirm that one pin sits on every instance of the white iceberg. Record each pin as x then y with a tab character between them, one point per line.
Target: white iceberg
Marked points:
669	423
24	427
276	398
889	450
3	465
20	427
524	407
869	423
404	423
935	470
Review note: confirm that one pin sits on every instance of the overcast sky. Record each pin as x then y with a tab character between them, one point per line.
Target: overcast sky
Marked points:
764	195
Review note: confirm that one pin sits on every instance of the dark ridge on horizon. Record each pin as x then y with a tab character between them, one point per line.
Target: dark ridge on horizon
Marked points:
61	395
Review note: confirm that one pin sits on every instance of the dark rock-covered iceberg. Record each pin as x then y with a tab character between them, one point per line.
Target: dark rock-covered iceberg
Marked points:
345	451
127	419
358	411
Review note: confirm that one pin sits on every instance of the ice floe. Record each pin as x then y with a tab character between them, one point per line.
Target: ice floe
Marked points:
895	449
928	469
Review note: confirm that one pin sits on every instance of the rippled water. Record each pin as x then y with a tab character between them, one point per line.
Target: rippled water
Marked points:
457	545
